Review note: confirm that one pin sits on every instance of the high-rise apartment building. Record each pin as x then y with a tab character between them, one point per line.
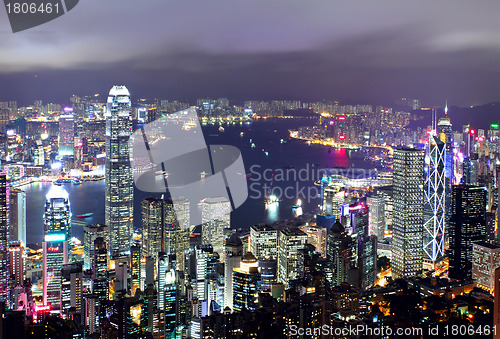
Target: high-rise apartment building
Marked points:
408	199
118	172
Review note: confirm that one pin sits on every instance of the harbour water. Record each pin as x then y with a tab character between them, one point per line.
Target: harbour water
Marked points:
294	163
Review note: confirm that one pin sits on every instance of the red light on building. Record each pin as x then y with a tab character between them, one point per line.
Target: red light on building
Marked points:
428	132
472	132
53	249
341	118
43	308
341	137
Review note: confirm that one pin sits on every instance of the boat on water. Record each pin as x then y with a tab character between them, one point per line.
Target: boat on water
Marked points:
253	145
76	182
221	129
241	134
297	205
85	215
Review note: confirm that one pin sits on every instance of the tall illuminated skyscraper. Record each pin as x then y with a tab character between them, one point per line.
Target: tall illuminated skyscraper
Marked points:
165	228
4	237
17	215
408	181
234	252
118	175
152	212
55	252
435	200
263	241
467	225
66	133
90	234
246	284
290	242
57	217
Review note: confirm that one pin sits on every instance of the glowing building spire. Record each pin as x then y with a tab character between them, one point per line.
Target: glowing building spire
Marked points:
446	108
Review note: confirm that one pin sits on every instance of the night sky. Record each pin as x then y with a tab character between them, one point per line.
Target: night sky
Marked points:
353	51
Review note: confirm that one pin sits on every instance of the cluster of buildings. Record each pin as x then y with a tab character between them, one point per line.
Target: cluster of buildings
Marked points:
421	246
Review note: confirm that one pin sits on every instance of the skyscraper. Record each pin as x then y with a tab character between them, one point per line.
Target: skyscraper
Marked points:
90	234
4	236
17	268
408	181
17	213
55	252
118	174
246	283
57	216
152	212
467	225
435	200
338	253
290	241
215	216
165	228
263	241
72	289
232	259
66	134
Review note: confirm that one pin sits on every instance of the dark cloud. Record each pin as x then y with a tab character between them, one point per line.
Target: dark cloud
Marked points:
259	49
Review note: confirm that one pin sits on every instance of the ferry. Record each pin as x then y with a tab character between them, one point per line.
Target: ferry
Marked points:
221	129
85	215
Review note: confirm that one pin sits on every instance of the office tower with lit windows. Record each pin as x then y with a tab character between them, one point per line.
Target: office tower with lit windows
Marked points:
118	171
17	215
215	217
263	241
90	234
376	216
333	198
206	259
135	267
152	212
364	248
72	290
246	284
232	259
467	225
66	134
316	236
165	228
408	199
176	230
435	189
17	263
55	254
485	259
57	216
100	283
338	253
290	241
4	237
